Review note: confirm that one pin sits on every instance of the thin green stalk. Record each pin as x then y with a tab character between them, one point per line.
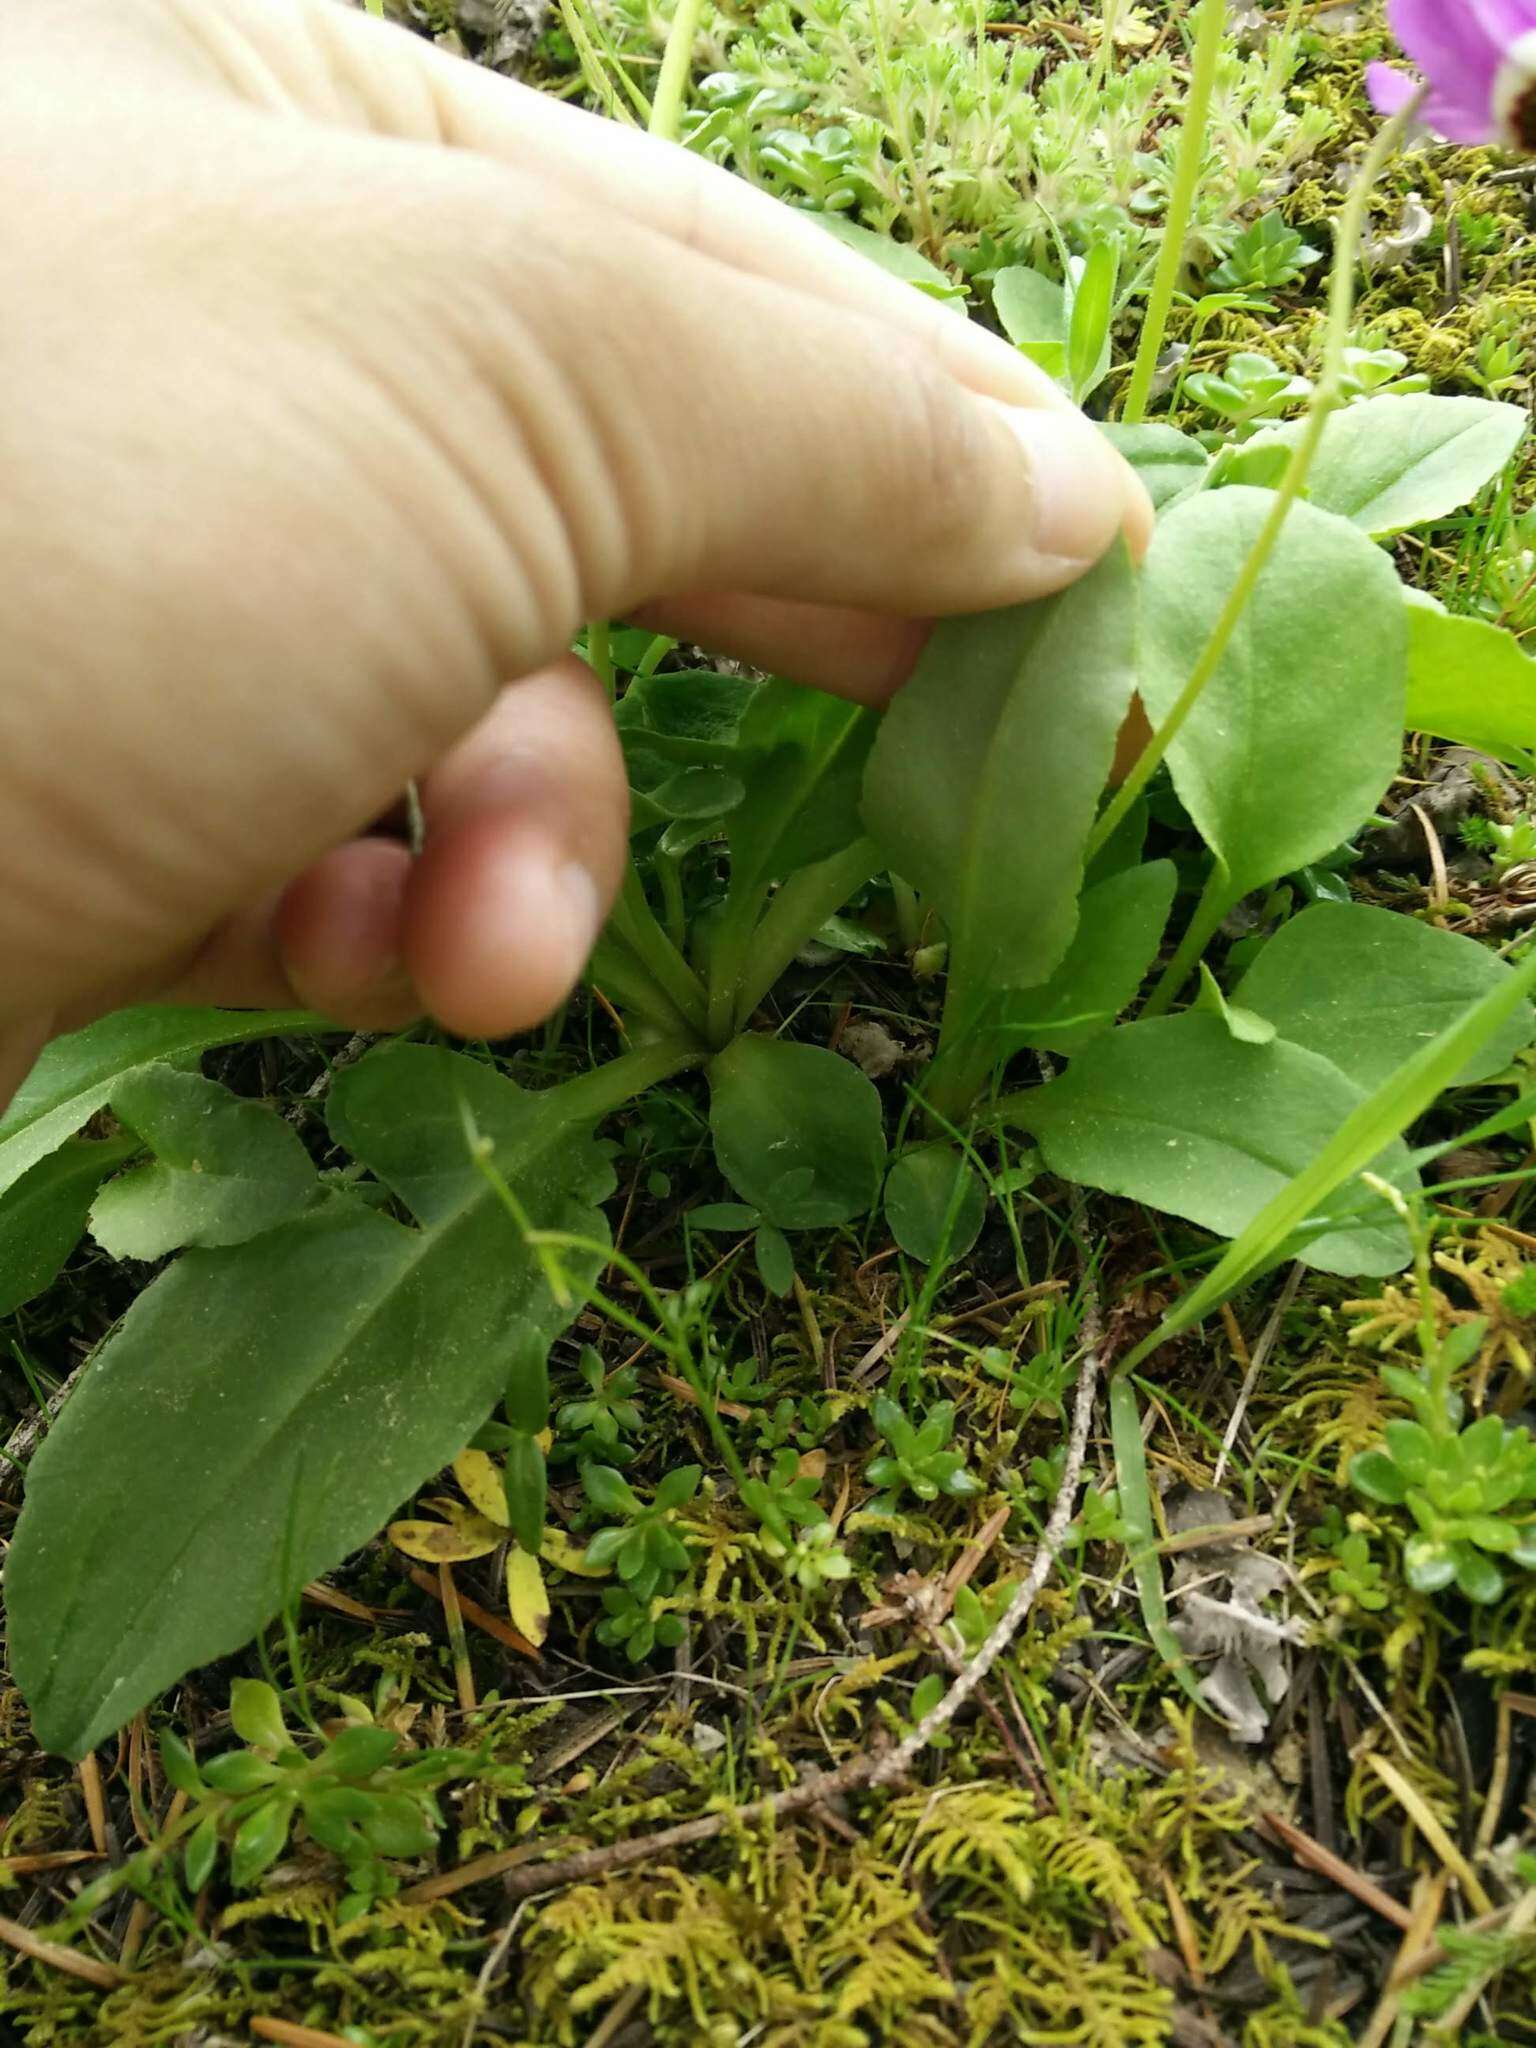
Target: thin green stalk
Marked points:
677	61
600	654
909	913
1215	902
580	25
1341	306
614	969
375	7
1181	206
797	913
604	1089
636	924
729	953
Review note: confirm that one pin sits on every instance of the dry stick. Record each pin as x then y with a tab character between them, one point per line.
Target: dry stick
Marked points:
1315	1857
1256	1364
463	1674
895	1764
523	1878
59	1957
95	1806
293	2036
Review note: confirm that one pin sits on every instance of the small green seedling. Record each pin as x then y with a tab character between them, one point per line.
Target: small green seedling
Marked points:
920	1460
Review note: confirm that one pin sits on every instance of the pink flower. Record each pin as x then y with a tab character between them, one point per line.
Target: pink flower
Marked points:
1479	57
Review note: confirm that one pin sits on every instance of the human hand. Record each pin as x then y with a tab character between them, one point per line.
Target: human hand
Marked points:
343	381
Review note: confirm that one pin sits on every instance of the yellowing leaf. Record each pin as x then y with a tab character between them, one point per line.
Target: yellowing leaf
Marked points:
481	1480
558	1549
455	1541
527	1601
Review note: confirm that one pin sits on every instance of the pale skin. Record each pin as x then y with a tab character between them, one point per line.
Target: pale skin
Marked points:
341	382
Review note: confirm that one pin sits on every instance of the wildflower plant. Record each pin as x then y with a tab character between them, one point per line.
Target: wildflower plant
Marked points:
319	1342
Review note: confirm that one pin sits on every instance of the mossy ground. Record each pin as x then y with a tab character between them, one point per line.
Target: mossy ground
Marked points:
1089	1861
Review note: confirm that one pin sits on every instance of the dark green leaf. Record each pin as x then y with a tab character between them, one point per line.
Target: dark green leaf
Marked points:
775	1260
259	1841
357	1752
526	1483
934	1203
609	1491
239	1771
1367	988
1117	937
179	1764
980	792
798	1131
802	754
43	1215
201	1853
225	1170
75	1075
1298	734
262	1410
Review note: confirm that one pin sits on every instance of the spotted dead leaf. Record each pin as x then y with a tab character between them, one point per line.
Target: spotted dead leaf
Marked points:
558	1549
527	1600
460	1536
480	1477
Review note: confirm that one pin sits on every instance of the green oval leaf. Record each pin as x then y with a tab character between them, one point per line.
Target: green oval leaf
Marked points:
982	794
798	1131
934	1203
1368	988
1178	1113
1468	681
1390	463
1298	734
224	1169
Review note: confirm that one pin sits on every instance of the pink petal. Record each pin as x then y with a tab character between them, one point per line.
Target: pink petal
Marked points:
1390	89
1455	49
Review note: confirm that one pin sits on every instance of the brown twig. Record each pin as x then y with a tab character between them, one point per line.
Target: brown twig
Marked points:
896	1763
493	1625
1315	1857
95	1805
59	1957
292	2036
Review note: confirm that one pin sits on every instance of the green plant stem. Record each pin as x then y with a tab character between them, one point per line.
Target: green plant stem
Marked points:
1341	306
600	655
797	913
1181	206
669	875
729	952
614	969
636	924
1215	901
909	913
609	1087
677	61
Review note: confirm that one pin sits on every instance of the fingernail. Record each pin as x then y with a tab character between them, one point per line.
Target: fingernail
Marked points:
578	892
1078	490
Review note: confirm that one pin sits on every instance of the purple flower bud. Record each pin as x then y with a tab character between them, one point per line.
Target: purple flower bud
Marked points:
1479	57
